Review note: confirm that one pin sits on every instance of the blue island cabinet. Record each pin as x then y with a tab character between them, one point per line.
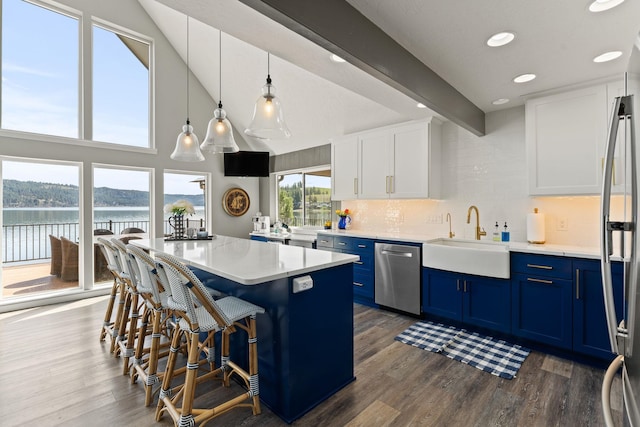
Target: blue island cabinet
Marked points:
475	300
305	339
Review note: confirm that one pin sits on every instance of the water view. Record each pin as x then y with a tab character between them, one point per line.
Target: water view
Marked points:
25	231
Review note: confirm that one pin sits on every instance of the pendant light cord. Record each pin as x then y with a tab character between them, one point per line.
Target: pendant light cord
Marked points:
268	68
220	68
187	69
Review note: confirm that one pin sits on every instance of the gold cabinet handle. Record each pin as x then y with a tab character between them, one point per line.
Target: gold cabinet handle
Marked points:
548	282
577	283
543	267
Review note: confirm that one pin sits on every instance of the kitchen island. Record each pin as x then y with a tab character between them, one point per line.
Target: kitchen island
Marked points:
305	337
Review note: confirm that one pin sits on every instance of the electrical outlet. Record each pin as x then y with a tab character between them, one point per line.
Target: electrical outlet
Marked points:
563	224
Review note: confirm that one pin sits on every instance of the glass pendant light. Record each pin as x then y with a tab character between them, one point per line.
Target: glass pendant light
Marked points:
268	121
187	145
219	137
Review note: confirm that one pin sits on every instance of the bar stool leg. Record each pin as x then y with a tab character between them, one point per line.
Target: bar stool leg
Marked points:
165	390
106	324
254	389
124	319
127	346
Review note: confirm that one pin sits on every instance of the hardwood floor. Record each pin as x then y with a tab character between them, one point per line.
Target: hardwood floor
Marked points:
54	372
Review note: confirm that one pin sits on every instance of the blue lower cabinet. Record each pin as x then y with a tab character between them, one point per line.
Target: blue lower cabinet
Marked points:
476	300
590	335
260	238
441	294
487	302
542	309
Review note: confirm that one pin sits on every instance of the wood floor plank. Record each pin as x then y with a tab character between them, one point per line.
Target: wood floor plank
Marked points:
54	372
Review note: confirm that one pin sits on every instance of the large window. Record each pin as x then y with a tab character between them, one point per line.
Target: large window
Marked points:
40	66
304	198
189	187
120	88
43	90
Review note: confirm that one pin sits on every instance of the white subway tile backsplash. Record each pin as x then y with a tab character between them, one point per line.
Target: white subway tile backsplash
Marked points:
489	172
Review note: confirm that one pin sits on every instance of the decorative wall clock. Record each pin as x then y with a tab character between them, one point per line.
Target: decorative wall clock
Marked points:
235	202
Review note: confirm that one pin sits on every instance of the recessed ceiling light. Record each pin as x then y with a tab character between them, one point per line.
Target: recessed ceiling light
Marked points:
500	101
500	39
336	58
608	56
421	105
602	5
523	78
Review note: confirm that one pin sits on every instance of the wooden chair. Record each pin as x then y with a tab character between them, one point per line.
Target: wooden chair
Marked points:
111	324
130	316
56	255
69	255
145	359
198	312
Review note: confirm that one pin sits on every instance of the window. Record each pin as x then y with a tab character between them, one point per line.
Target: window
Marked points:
304	198
42	87
189	187
40	64
120	88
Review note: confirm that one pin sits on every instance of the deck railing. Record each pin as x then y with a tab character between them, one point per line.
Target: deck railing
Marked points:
30	242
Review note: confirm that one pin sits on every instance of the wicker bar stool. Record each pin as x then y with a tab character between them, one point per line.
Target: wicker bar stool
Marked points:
199	312
133	313
145	359
111	323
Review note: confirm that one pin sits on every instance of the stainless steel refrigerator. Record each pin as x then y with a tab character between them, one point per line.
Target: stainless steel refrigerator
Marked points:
620	234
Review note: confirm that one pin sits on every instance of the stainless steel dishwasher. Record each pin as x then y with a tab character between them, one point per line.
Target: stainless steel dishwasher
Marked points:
397	282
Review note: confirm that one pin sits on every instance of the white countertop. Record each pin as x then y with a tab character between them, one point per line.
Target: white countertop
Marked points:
245	261
543	249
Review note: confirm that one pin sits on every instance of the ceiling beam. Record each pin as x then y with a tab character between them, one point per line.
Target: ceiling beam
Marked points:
341	29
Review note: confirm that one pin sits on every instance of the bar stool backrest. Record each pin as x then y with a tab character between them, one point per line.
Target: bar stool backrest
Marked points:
193	285
125	260
110	254
146	268
180	299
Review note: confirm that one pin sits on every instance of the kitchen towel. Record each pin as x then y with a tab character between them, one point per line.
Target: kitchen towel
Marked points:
535	227
496	357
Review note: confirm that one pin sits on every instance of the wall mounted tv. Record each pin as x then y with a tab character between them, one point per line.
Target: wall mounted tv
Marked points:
246	163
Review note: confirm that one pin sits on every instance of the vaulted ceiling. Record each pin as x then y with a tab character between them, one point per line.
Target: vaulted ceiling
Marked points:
556	40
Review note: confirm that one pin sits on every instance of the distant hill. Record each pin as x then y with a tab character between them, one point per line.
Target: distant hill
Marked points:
29	194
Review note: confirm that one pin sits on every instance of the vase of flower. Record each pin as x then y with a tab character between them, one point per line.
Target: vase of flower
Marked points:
178	210
344	220
178	226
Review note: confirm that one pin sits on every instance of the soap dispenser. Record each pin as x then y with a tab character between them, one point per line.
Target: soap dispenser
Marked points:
496	233
505	233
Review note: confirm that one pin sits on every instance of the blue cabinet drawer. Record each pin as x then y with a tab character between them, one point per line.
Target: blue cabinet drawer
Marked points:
363	285
542	265
324	241
353	243
365	264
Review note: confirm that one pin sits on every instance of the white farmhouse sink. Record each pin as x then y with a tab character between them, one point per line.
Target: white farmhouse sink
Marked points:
467	256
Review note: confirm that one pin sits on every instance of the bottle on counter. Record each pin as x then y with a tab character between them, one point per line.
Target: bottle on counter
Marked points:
505	233
496	233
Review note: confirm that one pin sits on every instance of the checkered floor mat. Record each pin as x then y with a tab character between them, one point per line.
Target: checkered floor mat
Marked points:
497	357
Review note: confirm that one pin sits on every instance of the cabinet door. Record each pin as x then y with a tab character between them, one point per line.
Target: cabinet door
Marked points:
441	293
375	161
590	335
563	138
344	168
541	309
410	174
487	303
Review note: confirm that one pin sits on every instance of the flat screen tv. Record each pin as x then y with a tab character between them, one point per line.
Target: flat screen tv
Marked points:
246	163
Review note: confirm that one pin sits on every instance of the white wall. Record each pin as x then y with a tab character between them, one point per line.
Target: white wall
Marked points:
489	172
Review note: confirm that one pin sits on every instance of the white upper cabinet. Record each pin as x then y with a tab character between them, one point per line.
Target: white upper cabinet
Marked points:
565	138
344	168
398	162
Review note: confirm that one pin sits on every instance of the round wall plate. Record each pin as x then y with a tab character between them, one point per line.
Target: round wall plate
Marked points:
235	201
